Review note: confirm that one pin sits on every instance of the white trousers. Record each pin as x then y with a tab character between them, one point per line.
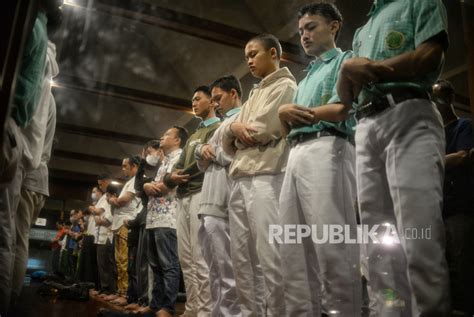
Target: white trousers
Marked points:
11	178
253	207
195	269
214	238
319	189
400	166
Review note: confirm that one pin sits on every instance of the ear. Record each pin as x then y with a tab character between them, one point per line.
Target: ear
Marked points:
273	53
335	27
233	93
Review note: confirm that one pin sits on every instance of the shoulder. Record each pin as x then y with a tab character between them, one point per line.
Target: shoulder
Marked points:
345	55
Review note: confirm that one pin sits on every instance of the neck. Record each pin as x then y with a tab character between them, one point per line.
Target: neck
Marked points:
237	104
271	70
325	48
210	115
170	150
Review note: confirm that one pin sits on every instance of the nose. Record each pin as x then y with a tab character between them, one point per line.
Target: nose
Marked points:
304	36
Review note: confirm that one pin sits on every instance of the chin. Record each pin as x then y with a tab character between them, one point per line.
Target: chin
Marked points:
309	52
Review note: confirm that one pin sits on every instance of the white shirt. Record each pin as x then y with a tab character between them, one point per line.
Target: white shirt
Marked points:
92	227
103	232
128	211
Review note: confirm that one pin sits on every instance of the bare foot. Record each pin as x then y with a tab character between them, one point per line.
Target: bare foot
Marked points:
132	306
120	301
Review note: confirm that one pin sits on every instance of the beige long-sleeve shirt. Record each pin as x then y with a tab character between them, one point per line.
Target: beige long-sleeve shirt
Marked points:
261	112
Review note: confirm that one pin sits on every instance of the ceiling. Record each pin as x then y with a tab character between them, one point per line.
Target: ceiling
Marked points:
128	69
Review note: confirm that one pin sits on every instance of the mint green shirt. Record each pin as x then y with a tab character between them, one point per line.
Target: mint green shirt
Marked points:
319	88
396	27
231	112
31	75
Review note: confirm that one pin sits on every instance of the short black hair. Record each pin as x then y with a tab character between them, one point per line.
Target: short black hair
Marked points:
182	135
324	9
446	91
204	89
268	41
155	144
227	83
114	188
134	160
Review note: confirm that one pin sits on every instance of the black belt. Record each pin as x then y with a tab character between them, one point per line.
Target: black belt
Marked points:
303	137
379	104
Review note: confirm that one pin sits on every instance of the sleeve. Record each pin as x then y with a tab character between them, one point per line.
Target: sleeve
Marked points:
222	158
108	214
430	20
464	138
193	169
267	123
131	187
228	140
202	166
50	131
31	74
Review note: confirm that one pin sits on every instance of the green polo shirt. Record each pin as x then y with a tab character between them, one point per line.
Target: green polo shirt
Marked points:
396	27
319	88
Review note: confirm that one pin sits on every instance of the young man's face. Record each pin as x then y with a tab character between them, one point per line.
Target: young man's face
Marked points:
169	139
103	183
126	168
201	104
96	191
259	60
316	34
223	100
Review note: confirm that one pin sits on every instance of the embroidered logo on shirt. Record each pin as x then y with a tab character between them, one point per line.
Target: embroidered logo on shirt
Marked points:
394	40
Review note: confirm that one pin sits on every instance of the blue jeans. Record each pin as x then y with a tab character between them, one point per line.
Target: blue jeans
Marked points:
163	259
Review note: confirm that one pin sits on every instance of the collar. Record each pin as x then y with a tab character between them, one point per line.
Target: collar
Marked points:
325	57
279	73
208	122
43	18
377	5
232	111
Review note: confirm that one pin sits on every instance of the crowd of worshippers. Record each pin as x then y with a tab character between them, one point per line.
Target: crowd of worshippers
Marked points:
369	136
